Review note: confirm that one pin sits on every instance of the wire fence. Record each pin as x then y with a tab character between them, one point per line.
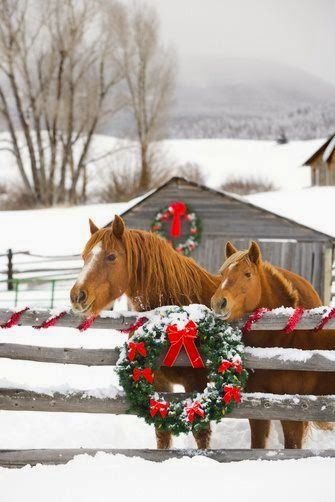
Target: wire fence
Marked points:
35	278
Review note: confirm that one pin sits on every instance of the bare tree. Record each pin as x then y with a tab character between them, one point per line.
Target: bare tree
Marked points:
56	71
149	71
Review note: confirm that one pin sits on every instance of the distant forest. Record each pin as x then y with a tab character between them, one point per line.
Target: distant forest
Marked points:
307	121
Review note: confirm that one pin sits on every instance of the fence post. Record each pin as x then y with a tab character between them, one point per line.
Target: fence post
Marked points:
53	283
10	285
17	283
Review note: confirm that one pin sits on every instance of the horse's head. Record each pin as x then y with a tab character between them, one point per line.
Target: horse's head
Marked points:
240	289
104	276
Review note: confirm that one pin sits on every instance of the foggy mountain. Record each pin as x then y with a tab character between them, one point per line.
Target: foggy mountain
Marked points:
252	99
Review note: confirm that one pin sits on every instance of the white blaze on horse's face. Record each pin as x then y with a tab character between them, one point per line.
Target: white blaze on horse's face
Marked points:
89	265
80	296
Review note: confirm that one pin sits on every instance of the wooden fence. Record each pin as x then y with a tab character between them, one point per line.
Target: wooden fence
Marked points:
256	406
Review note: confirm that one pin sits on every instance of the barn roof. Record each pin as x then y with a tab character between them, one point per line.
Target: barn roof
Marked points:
326	149
226	195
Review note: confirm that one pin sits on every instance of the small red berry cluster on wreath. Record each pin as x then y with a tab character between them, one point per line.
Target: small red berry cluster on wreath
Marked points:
169	329
178	211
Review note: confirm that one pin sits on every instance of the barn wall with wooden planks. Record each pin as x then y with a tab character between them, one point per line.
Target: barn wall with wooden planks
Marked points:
283	242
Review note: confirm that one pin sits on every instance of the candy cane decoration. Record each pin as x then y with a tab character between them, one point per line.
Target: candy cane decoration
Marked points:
330	315
14	319
294	320
254	317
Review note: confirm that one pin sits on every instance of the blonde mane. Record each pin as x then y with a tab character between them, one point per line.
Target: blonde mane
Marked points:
158	274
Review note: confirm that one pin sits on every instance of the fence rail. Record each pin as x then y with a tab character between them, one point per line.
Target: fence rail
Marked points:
269	322
258	406
318	360
20	458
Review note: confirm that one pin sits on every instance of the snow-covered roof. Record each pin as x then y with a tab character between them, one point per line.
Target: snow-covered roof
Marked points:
313	206
329	150
326	149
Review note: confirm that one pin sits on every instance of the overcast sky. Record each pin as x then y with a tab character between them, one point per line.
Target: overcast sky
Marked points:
299	33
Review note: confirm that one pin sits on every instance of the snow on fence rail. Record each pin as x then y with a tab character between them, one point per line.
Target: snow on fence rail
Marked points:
273	320
254	405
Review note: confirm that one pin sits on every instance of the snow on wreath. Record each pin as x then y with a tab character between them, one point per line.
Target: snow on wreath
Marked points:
167	331
177	212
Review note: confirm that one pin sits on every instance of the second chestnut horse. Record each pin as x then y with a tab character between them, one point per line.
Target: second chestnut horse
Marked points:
247	283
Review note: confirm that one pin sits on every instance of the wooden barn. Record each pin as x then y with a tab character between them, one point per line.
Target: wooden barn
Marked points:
322	164
226	217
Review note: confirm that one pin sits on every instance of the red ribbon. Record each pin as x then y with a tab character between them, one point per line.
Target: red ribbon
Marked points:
195	409
87	323
294	320
136	347
52	321
145	373
254	317
183	338
226	365
325	319
158	407
178	210
231	393
14	318
137	324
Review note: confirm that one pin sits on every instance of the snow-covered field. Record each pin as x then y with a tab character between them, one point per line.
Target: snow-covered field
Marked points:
219	159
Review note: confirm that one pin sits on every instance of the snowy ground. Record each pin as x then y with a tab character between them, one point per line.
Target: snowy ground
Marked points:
221	159
106	476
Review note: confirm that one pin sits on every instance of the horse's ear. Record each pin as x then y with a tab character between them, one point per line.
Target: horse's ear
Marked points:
93	227
255	254
118	226
230	249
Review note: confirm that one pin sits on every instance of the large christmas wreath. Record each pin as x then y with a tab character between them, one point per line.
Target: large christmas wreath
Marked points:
171	328
178	211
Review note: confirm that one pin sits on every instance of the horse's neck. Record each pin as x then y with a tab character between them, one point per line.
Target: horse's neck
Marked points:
276	290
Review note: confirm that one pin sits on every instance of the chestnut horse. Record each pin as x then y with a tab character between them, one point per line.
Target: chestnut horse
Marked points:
247	283
151	274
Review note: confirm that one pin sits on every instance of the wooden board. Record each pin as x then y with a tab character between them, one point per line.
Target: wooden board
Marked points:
257	406
270	321
108	357
20	458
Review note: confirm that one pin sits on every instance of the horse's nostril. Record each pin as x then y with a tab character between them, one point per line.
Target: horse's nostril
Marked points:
223	303
81	297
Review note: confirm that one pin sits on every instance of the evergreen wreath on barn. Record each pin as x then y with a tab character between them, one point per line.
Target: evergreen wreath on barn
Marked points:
177	212
169	329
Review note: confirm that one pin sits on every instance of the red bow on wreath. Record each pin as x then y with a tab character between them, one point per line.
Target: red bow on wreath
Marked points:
226	365
136	347
231	392
183	338
146	373
158	407
178	210
195	409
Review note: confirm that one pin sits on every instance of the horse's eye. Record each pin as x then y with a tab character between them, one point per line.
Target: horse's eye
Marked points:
247	274
111	257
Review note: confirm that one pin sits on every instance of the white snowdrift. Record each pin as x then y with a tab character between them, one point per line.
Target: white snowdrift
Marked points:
108	477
